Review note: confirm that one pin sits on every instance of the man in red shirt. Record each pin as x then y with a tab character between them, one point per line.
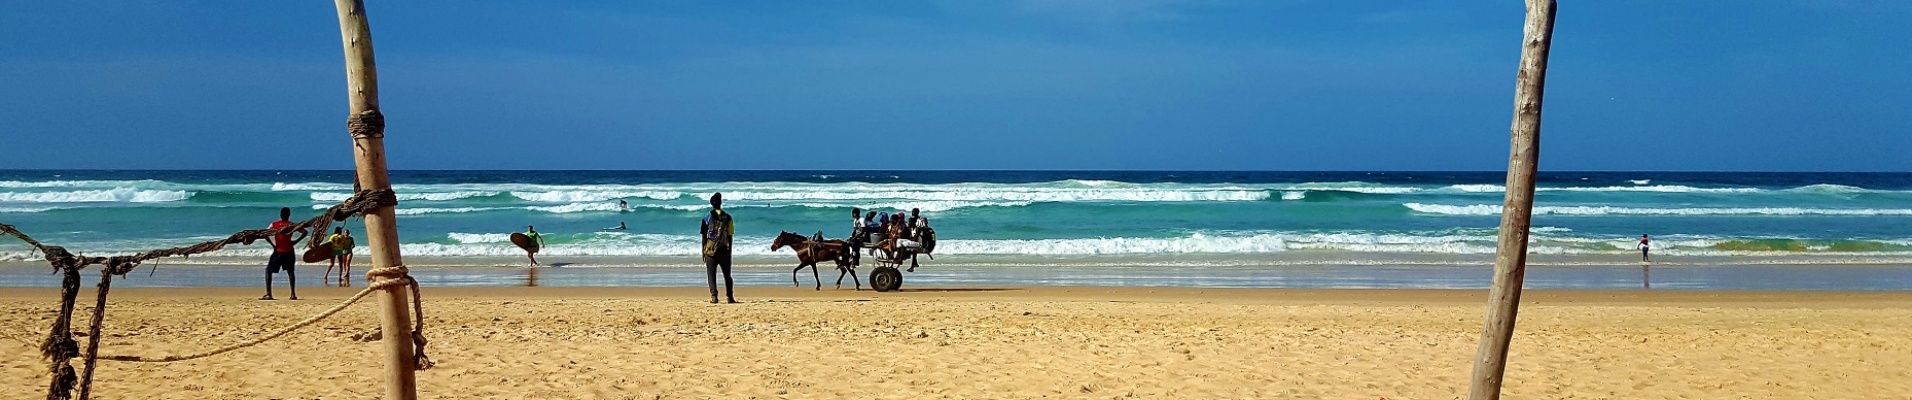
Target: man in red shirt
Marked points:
283	256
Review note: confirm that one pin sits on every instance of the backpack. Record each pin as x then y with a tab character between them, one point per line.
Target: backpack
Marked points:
717	233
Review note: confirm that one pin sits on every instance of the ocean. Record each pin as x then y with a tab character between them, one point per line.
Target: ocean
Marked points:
997	225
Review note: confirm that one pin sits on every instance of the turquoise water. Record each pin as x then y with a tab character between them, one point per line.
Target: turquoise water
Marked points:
1004	219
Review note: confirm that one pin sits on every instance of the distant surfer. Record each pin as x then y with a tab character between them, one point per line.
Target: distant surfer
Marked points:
1644	246
718	229
532	253
282	254
623	206
620	226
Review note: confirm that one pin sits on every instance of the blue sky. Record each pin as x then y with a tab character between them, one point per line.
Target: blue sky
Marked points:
1013	84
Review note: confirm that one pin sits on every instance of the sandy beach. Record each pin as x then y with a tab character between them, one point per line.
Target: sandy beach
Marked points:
645	343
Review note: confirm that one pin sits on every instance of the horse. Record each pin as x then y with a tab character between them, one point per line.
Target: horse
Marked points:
811	252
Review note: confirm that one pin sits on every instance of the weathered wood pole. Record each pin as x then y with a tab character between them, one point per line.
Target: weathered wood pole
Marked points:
1510	260
367	126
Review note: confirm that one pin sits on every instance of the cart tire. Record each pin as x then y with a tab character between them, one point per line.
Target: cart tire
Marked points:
886	279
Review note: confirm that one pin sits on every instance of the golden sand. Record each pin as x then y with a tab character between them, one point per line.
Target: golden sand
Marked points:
646	343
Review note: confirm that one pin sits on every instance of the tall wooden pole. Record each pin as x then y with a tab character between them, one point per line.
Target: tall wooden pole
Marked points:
1510	261
368	142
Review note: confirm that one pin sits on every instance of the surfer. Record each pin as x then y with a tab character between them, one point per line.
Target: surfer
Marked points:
621	227
282	257
532	253
623	206
1644	245
717	231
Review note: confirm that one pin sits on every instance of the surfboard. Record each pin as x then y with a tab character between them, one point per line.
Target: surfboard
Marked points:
318	254
524	242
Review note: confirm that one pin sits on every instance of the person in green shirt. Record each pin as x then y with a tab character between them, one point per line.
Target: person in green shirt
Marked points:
532	232
341	241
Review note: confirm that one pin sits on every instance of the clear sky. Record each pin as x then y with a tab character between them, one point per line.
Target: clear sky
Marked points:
1806	85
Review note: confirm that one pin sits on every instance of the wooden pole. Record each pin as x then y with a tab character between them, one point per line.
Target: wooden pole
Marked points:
1510	261
368	142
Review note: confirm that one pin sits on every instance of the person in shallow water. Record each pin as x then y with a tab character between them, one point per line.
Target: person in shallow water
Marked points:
532	232
1644	246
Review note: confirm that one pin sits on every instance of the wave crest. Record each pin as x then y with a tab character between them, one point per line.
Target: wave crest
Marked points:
1493	209
120	195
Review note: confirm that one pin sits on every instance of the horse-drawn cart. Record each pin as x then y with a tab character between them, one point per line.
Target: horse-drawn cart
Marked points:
890	256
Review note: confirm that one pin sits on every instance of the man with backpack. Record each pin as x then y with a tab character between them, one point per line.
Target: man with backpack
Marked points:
717	231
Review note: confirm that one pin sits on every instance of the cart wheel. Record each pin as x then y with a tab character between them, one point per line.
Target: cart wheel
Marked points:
886	279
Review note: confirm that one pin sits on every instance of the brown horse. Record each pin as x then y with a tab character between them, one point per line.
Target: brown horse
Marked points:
810	252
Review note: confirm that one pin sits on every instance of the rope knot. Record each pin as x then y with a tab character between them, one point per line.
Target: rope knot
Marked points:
367	124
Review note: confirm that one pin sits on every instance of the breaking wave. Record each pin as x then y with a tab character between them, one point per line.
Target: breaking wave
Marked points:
122	195
1492	209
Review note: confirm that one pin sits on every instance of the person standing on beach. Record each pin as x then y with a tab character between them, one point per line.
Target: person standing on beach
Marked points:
1644	245
852	254
717	231
282	254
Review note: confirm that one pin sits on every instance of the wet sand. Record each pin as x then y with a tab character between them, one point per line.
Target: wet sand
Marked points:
1009	342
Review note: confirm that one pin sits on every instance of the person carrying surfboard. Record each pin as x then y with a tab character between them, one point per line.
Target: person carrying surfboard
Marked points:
282	254
341	241
717	231
532	252
332	249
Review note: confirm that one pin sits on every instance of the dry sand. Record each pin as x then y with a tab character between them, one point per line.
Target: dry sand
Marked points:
1011	343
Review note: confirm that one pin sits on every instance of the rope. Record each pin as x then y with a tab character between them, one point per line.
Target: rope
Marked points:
367	124
93	335
402	279
59	347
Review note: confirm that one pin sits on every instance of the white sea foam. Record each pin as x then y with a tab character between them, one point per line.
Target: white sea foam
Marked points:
574	196
1829	189
123	195
1492	209
1479	188
1294	195
469	238
1640	181
1355	187
144	183
309	186
575	207
1475	188
436	210
1000	193
27	210
439	196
